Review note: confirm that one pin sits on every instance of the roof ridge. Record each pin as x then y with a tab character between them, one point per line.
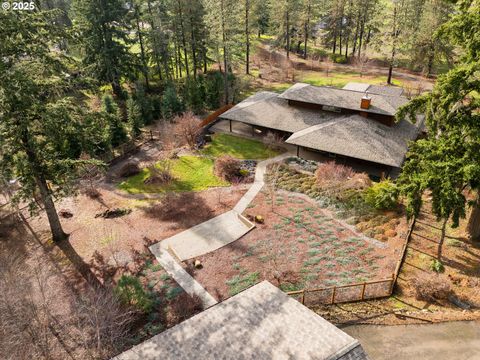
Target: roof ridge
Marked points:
312	128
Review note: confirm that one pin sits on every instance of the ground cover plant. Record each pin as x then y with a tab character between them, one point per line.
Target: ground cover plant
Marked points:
351	196
299	246
190	173
237	147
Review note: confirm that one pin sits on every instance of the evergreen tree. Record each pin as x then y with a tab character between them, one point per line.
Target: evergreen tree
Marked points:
134	116
41	130
171	104
447	163
118	134
103	33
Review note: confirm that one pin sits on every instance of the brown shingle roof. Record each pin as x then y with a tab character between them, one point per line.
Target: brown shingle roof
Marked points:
341	98
266	109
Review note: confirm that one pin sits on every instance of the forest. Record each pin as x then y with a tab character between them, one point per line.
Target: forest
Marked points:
82	80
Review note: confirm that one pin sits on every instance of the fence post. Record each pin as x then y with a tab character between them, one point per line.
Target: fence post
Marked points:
333	295
392	284
151	135
303	297
363	290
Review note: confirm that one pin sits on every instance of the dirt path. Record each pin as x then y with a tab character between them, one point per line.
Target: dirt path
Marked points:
453	340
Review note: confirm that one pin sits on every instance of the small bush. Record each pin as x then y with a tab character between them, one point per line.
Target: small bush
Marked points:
160	174
382	195
129	169
330	172
131	292
227	168
437	266
432	287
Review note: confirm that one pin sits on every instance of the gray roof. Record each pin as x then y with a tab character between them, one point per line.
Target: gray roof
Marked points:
345	99
259	323
388	90
268	110
360	138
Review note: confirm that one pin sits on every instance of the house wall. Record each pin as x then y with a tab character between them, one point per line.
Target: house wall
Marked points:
376	171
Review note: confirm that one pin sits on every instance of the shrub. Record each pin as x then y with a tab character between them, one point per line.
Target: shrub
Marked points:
382	195
431	287
226	167
437	266
134	116
160	174
129	169
330	172
131	292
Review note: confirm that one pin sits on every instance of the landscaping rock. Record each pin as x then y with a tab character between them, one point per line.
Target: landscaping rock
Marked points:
197	264
259	219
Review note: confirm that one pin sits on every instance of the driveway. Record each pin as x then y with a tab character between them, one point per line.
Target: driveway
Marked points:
458	340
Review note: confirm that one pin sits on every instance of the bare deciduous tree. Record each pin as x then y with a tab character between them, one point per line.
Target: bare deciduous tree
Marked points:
187	128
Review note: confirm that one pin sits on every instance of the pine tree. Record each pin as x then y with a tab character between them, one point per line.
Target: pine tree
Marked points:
103	34
134	116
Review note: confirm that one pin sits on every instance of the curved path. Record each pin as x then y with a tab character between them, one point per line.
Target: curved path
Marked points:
458	340
208	236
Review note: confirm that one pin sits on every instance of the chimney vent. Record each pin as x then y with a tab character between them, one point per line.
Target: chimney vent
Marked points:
366	100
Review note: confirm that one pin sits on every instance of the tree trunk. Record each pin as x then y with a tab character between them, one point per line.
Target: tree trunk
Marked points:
287	20
55	226
155	45
473	226
184	41
390	71
142	49
247	36
225	59
442	239
306	29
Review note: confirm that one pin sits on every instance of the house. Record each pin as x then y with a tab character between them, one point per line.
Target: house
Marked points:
355	125
261	322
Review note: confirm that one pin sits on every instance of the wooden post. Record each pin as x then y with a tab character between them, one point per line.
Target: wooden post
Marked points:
333	295
392	284
303	297
151	135
230	125
253	130
363	290
298	151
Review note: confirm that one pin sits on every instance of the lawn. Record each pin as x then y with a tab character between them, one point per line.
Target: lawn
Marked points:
191	173
341	78
240	148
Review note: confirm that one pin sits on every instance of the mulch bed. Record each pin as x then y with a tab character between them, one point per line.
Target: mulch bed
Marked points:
299	246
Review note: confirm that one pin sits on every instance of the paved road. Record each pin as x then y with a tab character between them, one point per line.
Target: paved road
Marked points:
453	340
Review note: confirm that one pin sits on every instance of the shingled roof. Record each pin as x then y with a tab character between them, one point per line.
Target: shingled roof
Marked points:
388	90
259	323
344	99
360	138
345	134
268	110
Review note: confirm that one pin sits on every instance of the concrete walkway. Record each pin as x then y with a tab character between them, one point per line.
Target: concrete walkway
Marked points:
445	341
175	270
209	236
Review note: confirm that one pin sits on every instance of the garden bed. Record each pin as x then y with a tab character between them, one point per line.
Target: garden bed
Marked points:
299	246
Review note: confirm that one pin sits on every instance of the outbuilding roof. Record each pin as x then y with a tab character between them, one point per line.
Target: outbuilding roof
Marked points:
261	322
344	99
